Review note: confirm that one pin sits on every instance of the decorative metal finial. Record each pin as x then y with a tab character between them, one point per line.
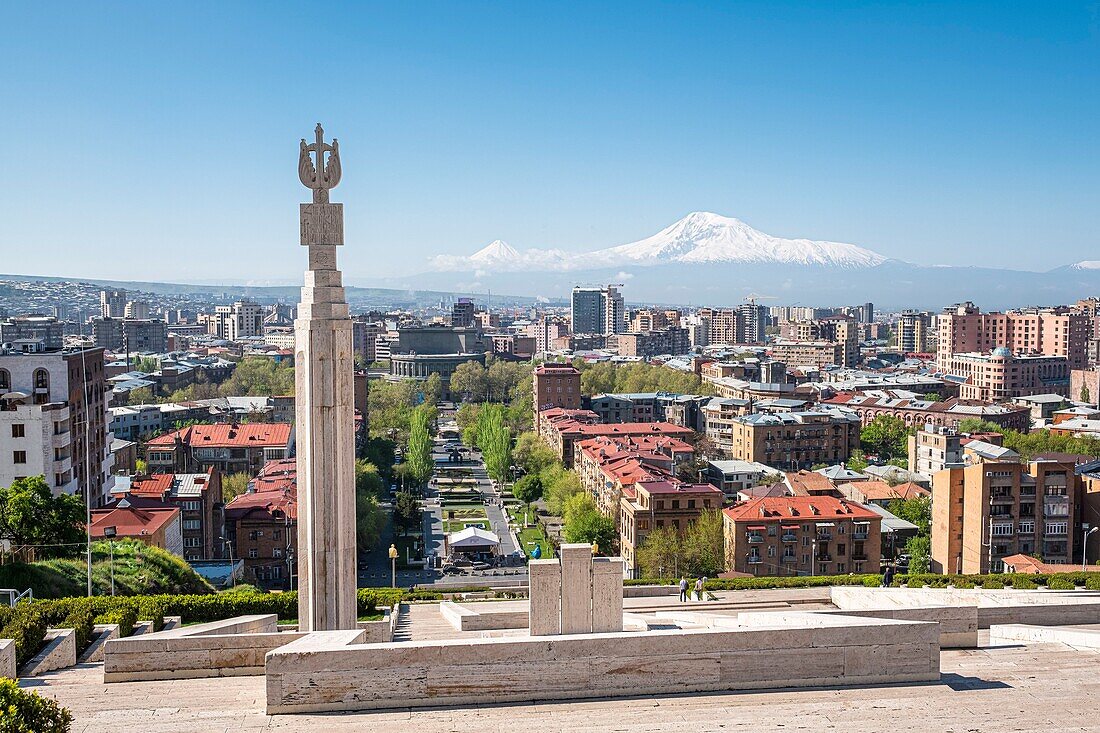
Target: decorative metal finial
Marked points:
326	173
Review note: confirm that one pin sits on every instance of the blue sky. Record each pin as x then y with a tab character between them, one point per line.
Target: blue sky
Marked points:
159	141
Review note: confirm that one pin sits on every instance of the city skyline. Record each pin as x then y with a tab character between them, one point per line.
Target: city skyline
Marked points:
936	136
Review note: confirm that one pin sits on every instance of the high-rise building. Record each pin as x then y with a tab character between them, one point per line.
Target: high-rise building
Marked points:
137	309
462	312
112	303
839	330
242	319
131	335
364	338
963	328
915	333
599	310
754	321
58	427
723	325
1000	375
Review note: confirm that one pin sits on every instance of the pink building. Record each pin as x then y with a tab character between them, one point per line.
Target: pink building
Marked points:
1060	331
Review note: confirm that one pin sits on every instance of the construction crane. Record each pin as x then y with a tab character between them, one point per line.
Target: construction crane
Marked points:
753	297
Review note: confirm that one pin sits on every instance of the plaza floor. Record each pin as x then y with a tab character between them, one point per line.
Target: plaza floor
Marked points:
1013	688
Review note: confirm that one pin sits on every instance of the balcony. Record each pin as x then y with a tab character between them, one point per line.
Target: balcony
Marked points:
755	539
823	558
755	559
859	556
860	534
824	536
1056	512
1002	499
788	558
789	538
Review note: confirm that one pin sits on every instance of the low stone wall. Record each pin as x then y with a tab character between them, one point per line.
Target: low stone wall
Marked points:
648	591
464	618
231	647
329	671
1015	633
58	652
994	607
7	658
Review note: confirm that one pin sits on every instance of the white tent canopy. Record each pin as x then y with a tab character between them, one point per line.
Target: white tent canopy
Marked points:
472	538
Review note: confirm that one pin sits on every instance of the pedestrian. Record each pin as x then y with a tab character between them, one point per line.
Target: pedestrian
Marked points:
699	589
683	589
888	577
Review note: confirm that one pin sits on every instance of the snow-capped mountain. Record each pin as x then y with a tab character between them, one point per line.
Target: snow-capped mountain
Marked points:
495	252
703	237
699	238
1087	265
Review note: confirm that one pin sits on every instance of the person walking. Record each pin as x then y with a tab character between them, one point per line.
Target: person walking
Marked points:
683	590
888	577
699	589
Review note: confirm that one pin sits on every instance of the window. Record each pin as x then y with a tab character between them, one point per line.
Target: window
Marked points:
191	542
276	552
192	524
41	379
18	430
253	553
19	456
5	380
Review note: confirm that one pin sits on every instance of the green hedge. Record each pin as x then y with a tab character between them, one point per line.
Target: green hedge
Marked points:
26	625
1055	581
28	712
126	617
766	582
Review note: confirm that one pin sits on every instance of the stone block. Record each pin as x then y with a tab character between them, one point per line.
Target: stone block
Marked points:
576	588
545	597
104	633
7	658
322	224
607	594
58	652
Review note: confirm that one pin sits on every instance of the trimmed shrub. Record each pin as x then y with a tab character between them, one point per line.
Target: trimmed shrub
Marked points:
82	621
1057	583
993	583
27	627
873	582
1022	582
29	712
1093	581
125	616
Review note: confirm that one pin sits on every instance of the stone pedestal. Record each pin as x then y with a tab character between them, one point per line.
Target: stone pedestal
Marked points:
576	594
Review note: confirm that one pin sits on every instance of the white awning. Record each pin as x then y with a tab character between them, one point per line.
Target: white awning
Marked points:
472	537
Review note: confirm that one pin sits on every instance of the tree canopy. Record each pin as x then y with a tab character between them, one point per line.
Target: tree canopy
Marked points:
604	377
886	437
495	441
418	457
31	515
583	522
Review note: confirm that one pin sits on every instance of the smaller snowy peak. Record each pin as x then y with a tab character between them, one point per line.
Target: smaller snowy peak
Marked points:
495	252
1087	265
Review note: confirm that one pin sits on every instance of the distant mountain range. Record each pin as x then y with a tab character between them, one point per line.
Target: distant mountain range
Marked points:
706	258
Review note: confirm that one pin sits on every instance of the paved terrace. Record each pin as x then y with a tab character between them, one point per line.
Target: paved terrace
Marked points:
1014	688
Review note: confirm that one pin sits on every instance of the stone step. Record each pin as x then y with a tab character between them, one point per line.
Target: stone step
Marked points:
94	652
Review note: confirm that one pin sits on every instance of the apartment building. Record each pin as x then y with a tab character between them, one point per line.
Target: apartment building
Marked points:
994	508
1000	375
810	354
723	325
261	526
230	448
1061	331
940	413
916	332
562	428
597	310
364	337
45	329
462	312
130	334
754	322
609	468
112	303
53	421
242	319
556	384
794	440
673	340
801	535
657	504
143	519
198	496
839	330
934	449
718	418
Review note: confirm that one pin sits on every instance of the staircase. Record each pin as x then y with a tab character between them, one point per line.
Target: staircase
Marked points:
402	630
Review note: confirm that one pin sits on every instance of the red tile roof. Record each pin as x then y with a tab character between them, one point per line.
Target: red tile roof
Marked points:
804	483
801	508
275	488
133	518
227	435
882	491
675	487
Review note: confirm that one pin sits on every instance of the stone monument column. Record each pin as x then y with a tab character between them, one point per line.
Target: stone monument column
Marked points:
323	409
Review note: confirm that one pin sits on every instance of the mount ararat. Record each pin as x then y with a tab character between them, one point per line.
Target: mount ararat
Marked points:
708	259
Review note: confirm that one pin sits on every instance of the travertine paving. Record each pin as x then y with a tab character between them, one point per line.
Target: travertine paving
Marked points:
1012	688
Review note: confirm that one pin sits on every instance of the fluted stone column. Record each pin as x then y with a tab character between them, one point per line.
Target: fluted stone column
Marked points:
324	410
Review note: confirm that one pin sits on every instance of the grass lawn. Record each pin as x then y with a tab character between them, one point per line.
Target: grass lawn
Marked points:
475	511
535	535
459	525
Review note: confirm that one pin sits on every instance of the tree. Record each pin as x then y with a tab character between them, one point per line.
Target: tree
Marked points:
858	462
381	453
233	485
495	441
31	515
259	377
141	466
917	510
369	517
141	396
977	425
532	454
433	388
1085	396
528	489
558	484
704	545
919	549
406	511
471	380
584	523
418	457
659	555
391	405
886	437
